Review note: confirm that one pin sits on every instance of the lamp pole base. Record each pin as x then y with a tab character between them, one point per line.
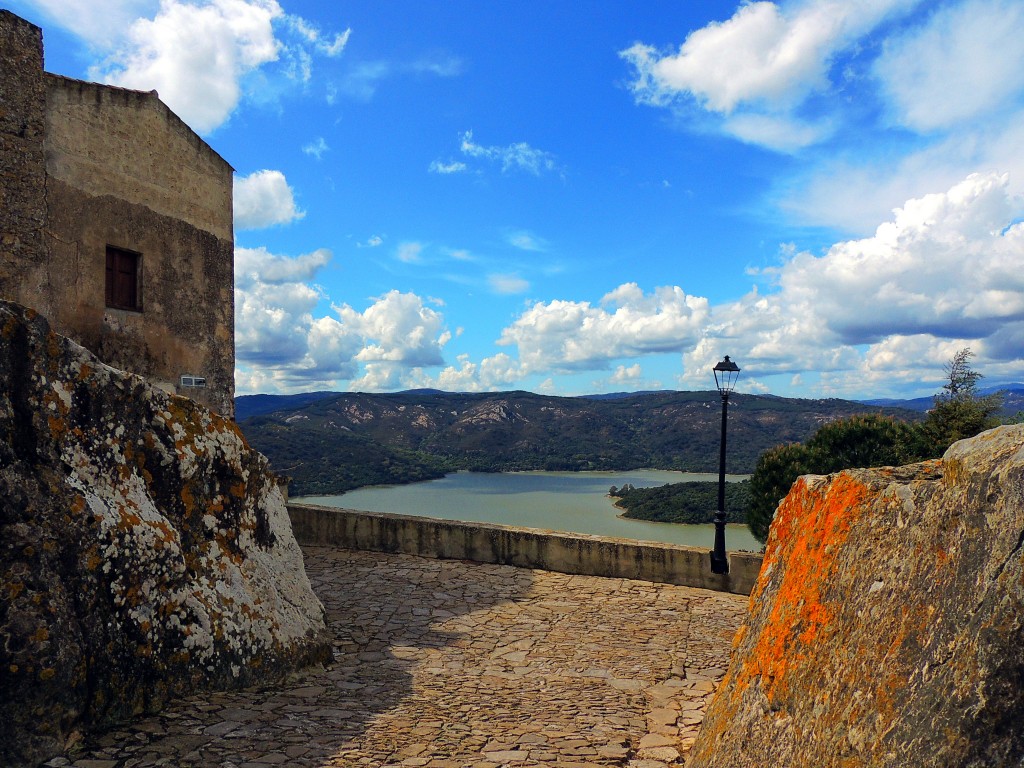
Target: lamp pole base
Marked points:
719	560
719	564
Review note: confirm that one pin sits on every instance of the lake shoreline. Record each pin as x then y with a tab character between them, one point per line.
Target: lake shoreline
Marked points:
567	502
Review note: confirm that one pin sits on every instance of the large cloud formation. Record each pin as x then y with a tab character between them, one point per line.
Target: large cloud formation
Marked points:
281	344
965	63
932	91
198	54
943	273
263	199
758	68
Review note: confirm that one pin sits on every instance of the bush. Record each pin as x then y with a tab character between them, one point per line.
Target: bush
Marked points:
689	502
776	471
959	411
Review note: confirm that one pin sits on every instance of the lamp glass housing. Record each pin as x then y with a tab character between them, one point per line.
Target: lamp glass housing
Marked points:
726	374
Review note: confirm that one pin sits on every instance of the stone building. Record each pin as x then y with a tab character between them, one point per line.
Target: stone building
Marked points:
115	223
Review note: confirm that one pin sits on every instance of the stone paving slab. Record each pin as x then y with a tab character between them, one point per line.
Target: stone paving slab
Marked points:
449	664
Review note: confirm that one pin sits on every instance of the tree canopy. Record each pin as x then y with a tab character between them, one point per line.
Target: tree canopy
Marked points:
959	411
859	441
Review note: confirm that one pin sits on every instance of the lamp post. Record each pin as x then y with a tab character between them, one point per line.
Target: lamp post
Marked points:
726	374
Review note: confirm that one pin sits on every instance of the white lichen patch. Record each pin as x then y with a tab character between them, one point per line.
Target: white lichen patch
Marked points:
228	595
63	393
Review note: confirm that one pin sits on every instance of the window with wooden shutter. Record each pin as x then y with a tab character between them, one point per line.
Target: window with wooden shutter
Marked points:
124	279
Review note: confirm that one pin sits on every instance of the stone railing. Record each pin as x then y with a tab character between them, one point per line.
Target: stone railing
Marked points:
521	547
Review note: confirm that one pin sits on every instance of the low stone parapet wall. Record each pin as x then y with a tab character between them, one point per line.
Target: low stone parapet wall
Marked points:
521	547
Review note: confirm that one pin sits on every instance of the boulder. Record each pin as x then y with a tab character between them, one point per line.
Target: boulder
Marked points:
885	626
145	549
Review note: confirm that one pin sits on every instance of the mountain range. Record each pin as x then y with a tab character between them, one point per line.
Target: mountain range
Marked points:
328	442
1013	400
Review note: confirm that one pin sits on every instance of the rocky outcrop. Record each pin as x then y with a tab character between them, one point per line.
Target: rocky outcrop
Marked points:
145	550
885	627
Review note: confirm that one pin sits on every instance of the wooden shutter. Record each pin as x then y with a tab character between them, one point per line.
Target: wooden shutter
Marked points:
122	283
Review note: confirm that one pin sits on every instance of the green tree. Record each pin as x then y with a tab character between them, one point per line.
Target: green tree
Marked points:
959	410
874	440
860	441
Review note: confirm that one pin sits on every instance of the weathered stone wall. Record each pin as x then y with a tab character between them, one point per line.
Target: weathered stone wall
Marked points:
86	166
521	547
885	627
187	323
145	550
104	140
22	164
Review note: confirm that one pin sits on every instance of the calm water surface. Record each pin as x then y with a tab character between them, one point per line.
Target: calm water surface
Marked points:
575	502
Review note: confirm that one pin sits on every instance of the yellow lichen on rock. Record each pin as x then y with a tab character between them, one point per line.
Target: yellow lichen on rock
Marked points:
110	491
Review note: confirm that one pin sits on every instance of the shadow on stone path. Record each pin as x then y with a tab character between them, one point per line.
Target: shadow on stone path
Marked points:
447	664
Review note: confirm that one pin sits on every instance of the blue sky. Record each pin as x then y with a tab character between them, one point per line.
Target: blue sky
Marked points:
588	197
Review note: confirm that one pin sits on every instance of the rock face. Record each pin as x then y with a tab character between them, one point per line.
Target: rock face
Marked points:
885	628
145	550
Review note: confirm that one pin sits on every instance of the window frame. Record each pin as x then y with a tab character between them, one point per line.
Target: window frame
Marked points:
124	292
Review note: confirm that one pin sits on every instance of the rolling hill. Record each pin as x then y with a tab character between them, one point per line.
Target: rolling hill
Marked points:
332	442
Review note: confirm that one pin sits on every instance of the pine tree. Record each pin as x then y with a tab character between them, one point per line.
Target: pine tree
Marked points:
959	410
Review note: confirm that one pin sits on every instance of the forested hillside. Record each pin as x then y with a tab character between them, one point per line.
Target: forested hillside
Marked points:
343	441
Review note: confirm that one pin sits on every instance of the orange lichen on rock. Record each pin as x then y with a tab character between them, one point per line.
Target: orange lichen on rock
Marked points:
809	529
188	499
57	426
885	626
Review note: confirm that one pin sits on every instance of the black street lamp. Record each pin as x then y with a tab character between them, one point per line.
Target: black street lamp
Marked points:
726	374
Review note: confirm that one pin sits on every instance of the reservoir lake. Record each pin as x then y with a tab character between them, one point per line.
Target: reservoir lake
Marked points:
574	502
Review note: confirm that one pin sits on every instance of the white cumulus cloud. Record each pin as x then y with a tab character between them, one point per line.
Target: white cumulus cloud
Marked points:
258	265
263	199
624	375
273	304
570	335
398	328
757	68
197	54
281	345
490	374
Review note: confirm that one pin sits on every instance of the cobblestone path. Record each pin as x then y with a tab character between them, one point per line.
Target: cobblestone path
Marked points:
448	664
